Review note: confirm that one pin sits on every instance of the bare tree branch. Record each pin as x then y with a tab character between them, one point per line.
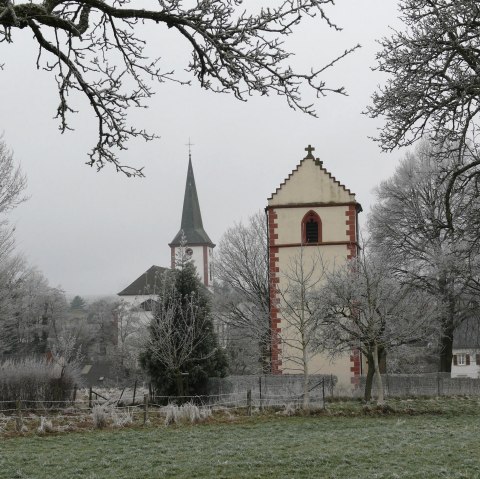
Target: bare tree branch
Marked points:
94	49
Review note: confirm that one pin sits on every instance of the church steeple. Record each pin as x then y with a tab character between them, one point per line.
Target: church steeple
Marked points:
192	225
199	247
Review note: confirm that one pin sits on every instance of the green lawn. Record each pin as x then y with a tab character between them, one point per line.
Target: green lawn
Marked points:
422	446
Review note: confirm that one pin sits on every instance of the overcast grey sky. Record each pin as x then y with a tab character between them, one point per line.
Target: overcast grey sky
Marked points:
94	233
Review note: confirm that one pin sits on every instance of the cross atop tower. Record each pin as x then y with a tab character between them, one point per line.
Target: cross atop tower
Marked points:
309	150
189	144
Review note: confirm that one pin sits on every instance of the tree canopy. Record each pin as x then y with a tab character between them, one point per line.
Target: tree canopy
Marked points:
95	47
363	305
433	89
407	225
182	351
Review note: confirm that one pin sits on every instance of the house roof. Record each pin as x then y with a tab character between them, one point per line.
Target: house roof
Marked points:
192	225
467	335
97	373
146	283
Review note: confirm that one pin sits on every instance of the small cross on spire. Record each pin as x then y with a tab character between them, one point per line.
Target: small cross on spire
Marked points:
189	144
309	150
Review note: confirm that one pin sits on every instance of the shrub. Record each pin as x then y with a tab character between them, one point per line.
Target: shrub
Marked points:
121	419
188	412
33	380
45	426
99	416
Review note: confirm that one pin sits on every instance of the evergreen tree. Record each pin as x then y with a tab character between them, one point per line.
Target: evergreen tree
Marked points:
77	303
183	351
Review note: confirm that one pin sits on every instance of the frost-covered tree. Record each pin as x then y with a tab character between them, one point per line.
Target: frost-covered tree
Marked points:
433	87
12	266
408	225
182	350
100	49
242	295
363	305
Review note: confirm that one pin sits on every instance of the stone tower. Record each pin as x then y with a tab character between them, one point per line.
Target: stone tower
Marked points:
311	213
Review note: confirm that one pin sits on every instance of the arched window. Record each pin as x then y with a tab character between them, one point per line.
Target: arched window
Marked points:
311	228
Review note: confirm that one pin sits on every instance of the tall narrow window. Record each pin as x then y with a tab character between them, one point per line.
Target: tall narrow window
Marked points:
311	228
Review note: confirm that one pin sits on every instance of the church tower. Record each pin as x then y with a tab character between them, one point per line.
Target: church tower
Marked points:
312	220
198	246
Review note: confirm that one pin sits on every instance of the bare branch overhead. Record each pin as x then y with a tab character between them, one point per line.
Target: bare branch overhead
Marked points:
95	48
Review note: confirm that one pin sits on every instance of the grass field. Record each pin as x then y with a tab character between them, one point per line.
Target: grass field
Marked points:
441	445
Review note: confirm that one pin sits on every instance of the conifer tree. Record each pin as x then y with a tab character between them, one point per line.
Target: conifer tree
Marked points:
182	351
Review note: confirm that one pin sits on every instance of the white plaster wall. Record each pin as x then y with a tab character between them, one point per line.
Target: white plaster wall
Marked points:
331	256
310	184
470	371
290	223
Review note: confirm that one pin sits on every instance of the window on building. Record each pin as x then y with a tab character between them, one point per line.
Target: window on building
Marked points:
461	359
311	228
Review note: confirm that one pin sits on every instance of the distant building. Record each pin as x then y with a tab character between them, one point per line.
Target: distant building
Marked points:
313	213
198	247
466	350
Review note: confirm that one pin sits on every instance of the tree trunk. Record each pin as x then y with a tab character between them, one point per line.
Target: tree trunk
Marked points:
382	360
446	345
306	392
448	322
180	392
378	376
369	378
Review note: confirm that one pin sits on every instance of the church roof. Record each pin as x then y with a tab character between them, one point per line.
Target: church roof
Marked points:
145	283
192	225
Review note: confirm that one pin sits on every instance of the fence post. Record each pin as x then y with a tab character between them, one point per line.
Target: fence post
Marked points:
18	419
323	392
90	395
439	389
331	384
249	402
74	393
260	391
134	392
145	409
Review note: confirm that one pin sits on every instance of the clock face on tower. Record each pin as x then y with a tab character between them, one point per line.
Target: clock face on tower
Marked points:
189	252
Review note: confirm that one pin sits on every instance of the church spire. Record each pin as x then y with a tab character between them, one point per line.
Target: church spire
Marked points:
192	225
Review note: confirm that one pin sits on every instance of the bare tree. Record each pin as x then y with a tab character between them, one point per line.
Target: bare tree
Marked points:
242	297
11	272
407	223
132	332
434	88
96	48
13	181
362	305
298	309
102	328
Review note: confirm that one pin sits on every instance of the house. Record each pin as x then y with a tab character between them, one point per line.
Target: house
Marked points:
466	350
312	215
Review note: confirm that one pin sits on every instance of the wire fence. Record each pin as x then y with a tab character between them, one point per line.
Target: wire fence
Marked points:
427	384
235	392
